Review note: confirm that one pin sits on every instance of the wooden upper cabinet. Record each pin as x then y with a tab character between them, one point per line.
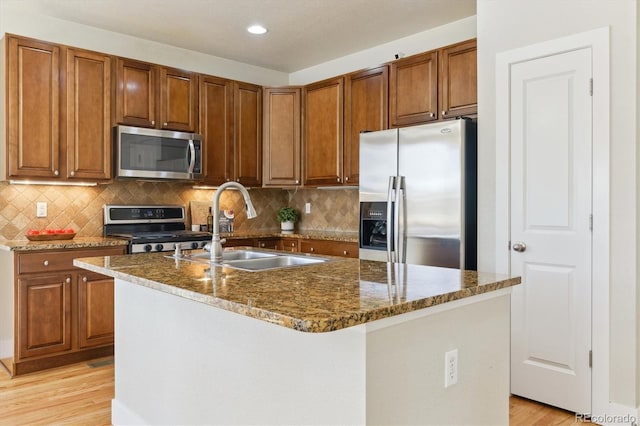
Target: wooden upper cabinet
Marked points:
178	99
281	140
216	128
136	93
33	113
87	94
248	133
413	91
458	88
366	100
323	118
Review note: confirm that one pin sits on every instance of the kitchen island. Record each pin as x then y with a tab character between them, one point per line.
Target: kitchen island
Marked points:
342	342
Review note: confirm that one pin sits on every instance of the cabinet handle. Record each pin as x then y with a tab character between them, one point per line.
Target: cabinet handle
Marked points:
444	113
45	263
345	252
262	245
68	280
238	180
153	122
73	173
84	279
56	172
165	124
432	115
338	179
297	181
293	244
347	179
312	249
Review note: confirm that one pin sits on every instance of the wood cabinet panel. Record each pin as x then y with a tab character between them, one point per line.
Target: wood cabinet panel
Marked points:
136	93
240	242
178	99
33	108
268	243
216	128
323	137
366	101
88	103
95	310
413	90
248	133
281	140
47	261
331	248
458	89
288	244
44	315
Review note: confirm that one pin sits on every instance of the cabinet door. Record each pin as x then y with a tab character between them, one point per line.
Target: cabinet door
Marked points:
281	136
33	108
240	242
95	310
413	90
323	132
136	93
458	80
248	133
44	315
87	129
178	99
366	100
216	128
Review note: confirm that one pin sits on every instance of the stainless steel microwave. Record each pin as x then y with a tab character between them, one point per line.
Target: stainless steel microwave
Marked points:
157	154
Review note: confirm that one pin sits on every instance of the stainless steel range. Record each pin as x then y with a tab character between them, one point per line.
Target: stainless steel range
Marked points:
151	228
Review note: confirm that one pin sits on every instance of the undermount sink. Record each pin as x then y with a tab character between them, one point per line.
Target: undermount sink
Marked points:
254	261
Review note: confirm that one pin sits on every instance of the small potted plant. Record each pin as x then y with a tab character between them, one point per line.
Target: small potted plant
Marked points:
287	217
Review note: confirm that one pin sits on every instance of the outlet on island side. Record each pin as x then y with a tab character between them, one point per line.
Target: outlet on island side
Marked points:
307	208
450	368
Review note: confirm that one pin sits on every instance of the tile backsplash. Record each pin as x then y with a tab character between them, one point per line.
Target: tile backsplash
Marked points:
81	208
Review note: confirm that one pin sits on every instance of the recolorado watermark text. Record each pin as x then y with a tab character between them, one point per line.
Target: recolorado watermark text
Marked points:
625	419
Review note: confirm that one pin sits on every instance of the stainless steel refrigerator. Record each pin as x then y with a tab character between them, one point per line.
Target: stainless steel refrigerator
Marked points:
418	194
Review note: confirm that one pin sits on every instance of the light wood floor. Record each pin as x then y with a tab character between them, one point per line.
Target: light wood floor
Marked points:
81	394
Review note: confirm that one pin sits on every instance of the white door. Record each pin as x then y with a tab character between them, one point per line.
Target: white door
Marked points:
550	201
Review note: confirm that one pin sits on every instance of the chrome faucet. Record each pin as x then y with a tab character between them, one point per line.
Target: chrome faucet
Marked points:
216	242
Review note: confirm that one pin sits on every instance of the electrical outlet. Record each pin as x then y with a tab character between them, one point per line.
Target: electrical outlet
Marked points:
41	209
307	208
450	368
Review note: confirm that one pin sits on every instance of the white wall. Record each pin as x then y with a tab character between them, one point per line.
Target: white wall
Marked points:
507	24
64	32
454	32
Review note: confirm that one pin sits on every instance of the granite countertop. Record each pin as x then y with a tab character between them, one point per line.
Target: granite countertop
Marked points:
351	237
76	242
316	298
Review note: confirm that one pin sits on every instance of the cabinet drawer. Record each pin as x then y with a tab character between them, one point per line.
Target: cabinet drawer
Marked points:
332	248
55	260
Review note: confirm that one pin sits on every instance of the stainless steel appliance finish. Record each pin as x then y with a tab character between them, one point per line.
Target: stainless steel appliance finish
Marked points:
151	228
157	154
420	181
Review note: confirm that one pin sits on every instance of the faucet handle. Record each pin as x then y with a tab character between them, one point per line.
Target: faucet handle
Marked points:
222	241
178	252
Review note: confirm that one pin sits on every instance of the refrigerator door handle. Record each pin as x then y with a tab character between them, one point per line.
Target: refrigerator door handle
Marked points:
389	223
401	220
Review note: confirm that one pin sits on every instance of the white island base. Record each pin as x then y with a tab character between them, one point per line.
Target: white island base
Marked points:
183	362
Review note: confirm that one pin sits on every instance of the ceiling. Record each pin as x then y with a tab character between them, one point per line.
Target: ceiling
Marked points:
302	33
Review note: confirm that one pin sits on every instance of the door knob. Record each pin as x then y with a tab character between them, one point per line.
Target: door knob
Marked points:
519	246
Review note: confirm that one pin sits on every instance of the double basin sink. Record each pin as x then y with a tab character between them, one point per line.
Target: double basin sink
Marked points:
254	260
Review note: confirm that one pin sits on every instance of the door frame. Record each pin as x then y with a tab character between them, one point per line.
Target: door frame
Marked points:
598	41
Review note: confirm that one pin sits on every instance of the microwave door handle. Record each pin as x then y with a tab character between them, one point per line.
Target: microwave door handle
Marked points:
191	156
389	222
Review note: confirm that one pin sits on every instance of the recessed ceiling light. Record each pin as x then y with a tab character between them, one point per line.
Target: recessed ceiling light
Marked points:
257	29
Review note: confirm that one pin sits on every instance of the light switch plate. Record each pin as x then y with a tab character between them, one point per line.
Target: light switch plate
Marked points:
41	209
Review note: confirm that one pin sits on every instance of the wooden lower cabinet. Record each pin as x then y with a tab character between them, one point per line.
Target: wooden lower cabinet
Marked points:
95	310
62	314
332	248
288	244
44	315
268	243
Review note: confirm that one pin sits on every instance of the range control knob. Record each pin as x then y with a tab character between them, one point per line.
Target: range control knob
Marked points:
147	247
159	247
194	245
